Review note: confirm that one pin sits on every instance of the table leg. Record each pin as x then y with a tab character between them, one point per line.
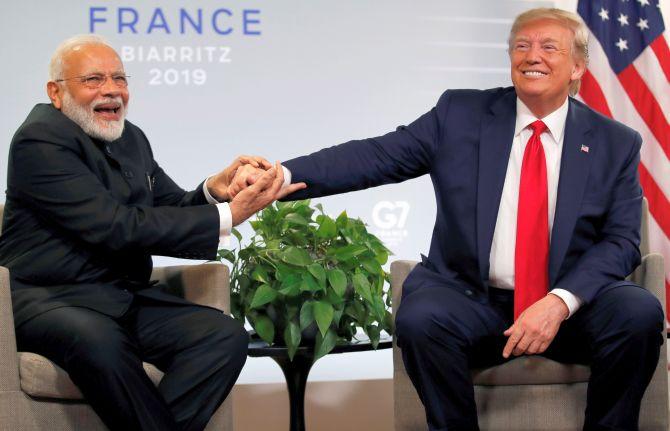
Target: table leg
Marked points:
296	373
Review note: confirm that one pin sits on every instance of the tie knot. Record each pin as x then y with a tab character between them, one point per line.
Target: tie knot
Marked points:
538	127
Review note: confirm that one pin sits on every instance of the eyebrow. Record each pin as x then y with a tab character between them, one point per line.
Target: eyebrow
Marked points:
527	39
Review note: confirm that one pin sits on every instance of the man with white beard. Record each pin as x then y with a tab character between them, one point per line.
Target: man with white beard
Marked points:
87	205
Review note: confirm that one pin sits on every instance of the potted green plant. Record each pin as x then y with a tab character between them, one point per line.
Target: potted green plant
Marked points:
308	279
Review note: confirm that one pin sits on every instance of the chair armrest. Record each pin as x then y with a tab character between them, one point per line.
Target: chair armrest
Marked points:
205	284
400	269
9	364
651	276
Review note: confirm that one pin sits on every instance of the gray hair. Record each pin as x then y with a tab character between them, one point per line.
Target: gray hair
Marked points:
572	21
56	64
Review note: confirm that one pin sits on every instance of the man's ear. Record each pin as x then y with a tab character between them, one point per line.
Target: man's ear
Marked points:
55	93
578	70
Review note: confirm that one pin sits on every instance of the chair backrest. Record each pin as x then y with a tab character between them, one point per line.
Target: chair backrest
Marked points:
644	229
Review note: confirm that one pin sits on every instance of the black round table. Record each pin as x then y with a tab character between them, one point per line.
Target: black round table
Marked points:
297	371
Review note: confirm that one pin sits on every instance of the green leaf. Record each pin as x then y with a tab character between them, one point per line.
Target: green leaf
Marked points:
309	284
381	257
264	328
323	314
306	314
324	344
371	265
373	332
349	251
264	294
319	273
292	337
290	285
378	308
327	228
237	234
260	274
333	298
362	287
388	325
296	256
229	255
296	219
356	310
319	207
338	280
342	220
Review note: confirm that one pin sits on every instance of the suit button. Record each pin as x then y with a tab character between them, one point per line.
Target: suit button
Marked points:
469	292
108	149
128	174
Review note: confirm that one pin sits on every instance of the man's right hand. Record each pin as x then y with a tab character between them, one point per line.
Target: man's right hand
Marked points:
265	190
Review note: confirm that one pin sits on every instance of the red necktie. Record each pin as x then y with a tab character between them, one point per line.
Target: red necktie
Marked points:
531	255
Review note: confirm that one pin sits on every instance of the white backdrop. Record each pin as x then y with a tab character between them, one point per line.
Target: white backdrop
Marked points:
214	79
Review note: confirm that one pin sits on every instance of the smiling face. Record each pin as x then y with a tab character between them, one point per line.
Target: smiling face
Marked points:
101	111
543	65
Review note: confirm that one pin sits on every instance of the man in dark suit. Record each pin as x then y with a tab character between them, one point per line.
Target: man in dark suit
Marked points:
538	215
87	205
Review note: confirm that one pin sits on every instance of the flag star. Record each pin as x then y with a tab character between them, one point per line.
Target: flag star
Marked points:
604	14
623	19
622	44
643	24
643	2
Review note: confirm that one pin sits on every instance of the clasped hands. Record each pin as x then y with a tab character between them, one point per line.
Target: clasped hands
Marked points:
249	184
535	329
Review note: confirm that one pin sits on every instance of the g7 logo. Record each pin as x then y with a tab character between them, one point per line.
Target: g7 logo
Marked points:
390	215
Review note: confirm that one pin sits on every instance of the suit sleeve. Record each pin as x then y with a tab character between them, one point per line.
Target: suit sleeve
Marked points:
53	180
397	156
616	254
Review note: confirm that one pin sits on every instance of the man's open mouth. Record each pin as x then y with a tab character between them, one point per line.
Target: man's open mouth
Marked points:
108	108
534	73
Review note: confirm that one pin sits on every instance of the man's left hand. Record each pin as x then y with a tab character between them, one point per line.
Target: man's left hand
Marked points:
221	187
536	327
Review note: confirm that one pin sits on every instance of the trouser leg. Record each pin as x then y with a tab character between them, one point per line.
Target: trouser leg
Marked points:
619	335
200	350
442	334
102	359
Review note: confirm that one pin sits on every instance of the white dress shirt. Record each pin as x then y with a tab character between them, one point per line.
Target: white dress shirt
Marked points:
501	271
225	217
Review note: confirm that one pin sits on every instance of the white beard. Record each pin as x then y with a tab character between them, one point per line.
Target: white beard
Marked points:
84	116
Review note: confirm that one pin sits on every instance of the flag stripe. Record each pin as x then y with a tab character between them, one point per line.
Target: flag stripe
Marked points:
593	95
646	104
661	207
660	47
651	71
623	110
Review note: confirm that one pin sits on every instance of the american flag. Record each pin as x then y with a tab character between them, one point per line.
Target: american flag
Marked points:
628	79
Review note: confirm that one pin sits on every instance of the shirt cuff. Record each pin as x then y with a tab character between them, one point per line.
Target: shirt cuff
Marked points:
571	300
287	177
208	196
225	225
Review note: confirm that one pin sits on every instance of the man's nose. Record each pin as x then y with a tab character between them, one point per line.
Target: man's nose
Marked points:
109	88
533	55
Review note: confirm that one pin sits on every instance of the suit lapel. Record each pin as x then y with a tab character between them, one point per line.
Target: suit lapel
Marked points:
497	133
575	166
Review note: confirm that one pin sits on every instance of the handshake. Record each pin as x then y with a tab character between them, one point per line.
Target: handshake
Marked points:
250	184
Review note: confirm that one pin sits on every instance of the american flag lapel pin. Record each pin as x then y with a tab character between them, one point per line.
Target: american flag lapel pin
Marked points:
584	149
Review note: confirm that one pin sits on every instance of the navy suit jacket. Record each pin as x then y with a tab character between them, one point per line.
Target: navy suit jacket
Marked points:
464	144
